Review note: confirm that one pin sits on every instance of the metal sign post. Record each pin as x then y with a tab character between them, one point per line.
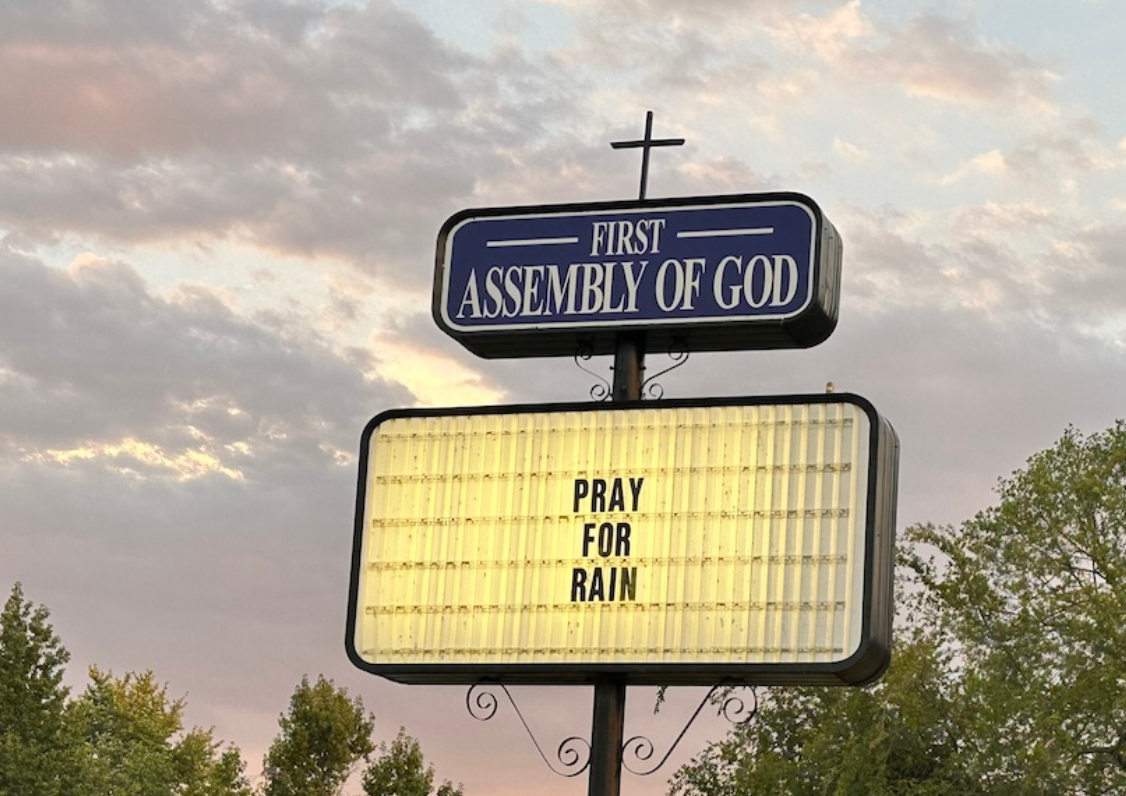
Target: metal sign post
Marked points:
608	725
606	736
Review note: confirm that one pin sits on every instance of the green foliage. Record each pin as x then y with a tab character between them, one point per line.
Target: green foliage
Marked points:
124	736
900	736
1034	589
135	745
1009	671
324	736
206	768
401	771
35	756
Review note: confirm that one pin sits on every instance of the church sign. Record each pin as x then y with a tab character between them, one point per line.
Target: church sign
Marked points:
711	273
681	542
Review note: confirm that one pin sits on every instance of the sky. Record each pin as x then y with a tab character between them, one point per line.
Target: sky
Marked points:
217	232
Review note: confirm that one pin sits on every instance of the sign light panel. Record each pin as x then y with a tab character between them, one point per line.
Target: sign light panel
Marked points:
679	542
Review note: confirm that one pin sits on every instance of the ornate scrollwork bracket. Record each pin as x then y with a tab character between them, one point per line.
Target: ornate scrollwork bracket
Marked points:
573	753
651	389
601	391
733	708
678	353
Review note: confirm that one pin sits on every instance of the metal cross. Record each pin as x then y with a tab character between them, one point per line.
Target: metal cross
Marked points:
646	144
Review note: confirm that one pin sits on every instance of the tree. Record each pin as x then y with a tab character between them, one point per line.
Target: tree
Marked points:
324	736
1010	663
122	736
400	771
900	736
135	745
1034	589
207	768
35	755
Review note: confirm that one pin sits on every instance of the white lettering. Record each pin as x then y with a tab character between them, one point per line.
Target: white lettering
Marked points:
692	281
613	287
655	226
717	282
626	237
632	283
559	288
678	287
492	288
608	293
592	287
792	268
533	301
470	297
512	291
767	279
598	238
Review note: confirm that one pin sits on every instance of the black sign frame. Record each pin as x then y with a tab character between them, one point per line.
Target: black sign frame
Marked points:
866	664
808	327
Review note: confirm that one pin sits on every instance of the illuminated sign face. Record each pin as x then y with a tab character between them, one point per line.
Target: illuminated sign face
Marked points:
680	542
712	273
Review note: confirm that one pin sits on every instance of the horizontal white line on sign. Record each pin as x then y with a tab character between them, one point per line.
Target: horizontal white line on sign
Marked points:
497	244
726	233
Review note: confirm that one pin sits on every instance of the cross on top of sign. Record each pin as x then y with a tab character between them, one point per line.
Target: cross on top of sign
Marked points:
645	144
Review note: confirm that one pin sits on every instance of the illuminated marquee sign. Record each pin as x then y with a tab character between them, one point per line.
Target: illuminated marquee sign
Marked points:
712	273
680	542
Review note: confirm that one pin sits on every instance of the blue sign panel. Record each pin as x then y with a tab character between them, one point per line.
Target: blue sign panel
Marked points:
710	273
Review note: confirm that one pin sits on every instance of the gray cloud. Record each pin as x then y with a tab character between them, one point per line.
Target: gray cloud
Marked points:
1087	280
337	131
717	47
133	81
178	482
946	59
91	358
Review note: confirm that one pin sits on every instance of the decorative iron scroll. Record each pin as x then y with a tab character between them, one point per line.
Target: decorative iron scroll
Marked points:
599	392
733	708
678	353
570	753
573	753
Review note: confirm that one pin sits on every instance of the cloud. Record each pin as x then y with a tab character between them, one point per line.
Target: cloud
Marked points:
1087	277
1006	263
131	457
342	131
830	37
1046	159
1077	149
850	153
97	369
178	478
719	46
351	131
992	163
432	376
130	80
944	59
1019	218
182	466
